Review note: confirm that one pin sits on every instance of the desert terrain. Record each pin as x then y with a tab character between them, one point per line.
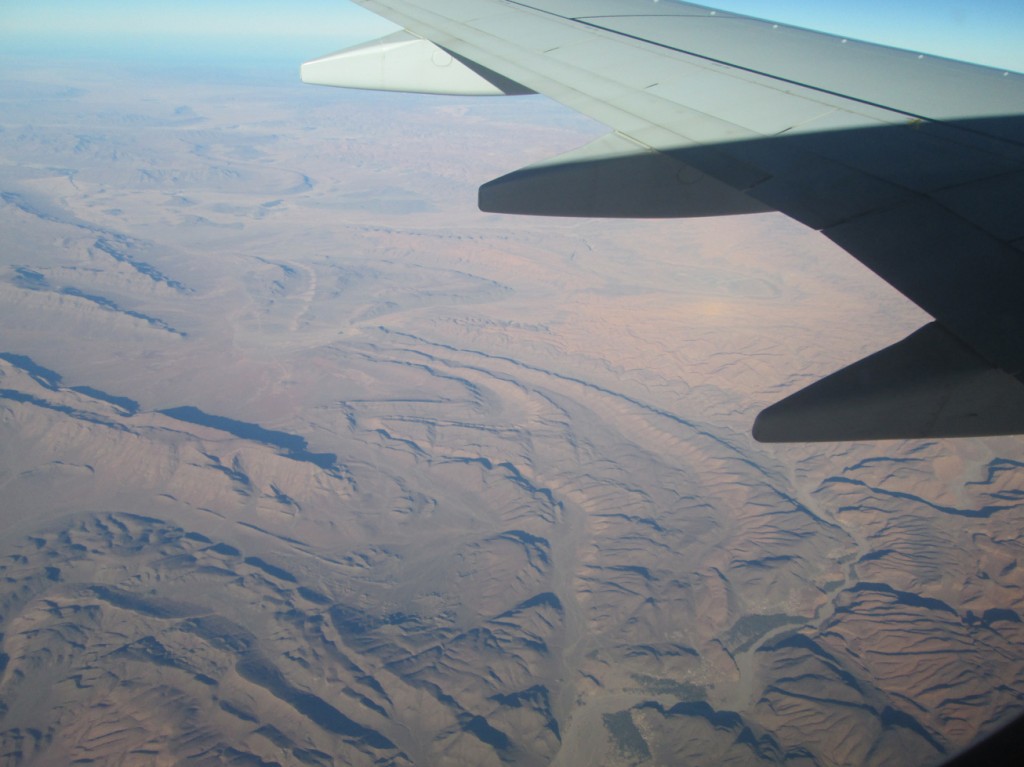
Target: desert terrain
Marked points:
305	461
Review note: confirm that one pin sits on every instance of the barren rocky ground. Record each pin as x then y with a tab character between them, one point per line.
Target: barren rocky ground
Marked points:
305	461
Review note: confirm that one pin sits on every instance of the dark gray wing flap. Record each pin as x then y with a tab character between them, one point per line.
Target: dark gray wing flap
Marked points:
614	177
928	385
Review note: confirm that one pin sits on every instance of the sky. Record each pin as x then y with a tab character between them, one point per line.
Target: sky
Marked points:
985	31
209	29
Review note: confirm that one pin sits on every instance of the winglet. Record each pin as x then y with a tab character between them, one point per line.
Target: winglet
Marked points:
404	62
927	385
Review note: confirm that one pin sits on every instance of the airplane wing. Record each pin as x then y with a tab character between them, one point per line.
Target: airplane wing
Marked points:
913	164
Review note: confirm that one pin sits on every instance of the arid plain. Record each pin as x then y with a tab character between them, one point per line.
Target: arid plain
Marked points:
303	460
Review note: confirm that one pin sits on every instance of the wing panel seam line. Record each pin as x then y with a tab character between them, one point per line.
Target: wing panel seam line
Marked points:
749	70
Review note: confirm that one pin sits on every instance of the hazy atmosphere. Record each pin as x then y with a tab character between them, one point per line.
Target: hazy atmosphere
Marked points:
304	460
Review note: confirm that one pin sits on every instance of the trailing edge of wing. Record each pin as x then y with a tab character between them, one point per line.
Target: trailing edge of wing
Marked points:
404	62
927	385
614	177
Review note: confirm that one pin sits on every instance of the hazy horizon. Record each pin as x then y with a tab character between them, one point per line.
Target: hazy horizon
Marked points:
985	33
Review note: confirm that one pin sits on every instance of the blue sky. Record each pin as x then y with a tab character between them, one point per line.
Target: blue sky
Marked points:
988	31
160	28
985	31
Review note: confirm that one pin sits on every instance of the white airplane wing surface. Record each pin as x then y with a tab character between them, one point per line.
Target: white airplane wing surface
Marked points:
911	163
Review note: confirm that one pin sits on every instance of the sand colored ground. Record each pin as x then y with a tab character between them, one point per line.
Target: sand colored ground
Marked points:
305	461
